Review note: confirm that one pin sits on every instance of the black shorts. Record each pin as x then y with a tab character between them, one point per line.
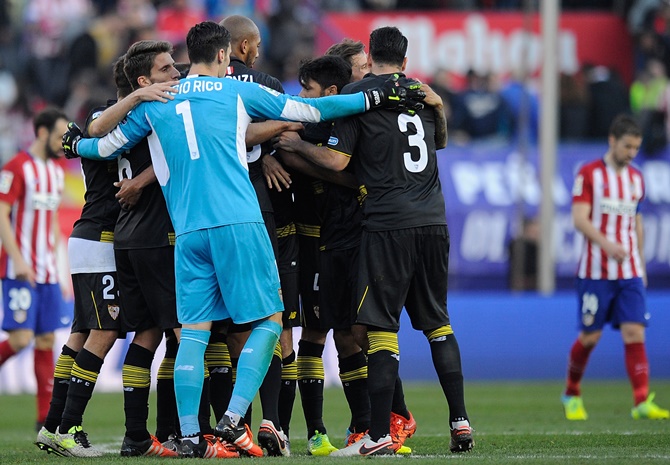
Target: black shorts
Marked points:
309	281
406	267
288	275
147	287
337	288
96	302
269	221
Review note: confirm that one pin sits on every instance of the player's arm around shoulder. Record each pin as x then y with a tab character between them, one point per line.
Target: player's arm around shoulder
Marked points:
319	155
435	101
126	135
112	116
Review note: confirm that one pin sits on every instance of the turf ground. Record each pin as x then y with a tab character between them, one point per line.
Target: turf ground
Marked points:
515	423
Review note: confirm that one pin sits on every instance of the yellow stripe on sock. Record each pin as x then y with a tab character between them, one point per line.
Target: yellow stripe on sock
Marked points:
358	373
136	377
86	375
442	331
310	367
166	369
63	368
383	340
289	372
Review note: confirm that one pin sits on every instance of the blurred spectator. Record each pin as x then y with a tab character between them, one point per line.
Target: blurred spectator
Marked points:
175	18
454	110
649	101
524	107
523	257
574	107
486	114
648	46
291	38
53	31
608	98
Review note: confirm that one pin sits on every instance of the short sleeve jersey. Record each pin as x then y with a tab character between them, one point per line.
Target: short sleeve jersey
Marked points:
394	156
101	208
615	201
34	189
241	72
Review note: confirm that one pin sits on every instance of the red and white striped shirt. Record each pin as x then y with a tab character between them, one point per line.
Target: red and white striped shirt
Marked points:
614	199
34	188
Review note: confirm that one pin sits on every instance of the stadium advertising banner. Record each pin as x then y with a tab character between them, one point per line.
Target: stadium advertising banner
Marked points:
497	43
488	190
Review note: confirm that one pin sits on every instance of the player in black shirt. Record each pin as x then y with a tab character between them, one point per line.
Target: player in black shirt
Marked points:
98	315
245	42
405	241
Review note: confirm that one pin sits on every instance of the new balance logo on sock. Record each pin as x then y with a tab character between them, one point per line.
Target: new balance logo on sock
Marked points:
184	368
248	350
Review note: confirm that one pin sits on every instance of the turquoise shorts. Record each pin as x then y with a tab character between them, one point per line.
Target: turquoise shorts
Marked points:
226	272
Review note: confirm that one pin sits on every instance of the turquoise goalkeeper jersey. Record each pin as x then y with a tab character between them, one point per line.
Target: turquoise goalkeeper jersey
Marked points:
198	148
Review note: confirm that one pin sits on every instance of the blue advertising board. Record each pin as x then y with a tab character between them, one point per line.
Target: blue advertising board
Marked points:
490	189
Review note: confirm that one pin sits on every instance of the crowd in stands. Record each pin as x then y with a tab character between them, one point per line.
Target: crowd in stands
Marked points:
60	52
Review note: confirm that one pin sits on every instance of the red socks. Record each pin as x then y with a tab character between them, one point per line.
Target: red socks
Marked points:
637	367
44	372
6	351
579	357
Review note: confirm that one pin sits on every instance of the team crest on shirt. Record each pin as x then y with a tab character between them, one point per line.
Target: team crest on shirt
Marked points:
579	186
6	179
267	89
113	311
333	140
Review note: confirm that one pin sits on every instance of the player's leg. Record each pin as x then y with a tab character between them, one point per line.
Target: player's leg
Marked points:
594	299
380	304
61	381
147	285
19	319
630	315
338	278
97	310
245	249
199	302
43	364
288	266
166	404
427	309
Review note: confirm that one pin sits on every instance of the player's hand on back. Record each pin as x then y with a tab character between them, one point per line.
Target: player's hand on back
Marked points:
397	93
160	91
70	140
275	174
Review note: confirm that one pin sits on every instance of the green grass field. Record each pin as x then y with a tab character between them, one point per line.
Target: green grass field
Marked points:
515	423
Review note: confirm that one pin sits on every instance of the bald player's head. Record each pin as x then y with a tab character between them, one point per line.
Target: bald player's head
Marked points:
245	38
240	28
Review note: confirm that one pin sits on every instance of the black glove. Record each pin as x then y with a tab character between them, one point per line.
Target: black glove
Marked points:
396	93
70	140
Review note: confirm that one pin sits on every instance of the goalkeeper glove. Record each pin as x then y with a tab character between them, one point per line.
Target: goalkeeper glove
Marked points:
70	140
396	93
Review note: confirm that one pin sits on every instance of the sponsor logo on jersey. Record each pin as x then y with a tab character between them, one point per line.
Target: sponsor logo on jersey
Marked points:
267	89
6	179
618	207
44	201
333	140
579	185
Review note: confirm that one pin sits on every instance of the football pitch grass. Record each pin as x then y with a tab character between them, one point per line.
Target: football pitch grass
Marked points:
515	423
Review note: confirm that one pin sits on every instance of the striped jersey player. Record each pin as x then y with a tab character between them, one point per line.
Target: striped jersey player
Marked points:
611	278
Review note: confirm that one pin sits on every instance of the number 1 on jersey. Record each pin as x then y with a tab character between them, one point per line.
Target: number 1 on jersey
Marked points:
184	109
